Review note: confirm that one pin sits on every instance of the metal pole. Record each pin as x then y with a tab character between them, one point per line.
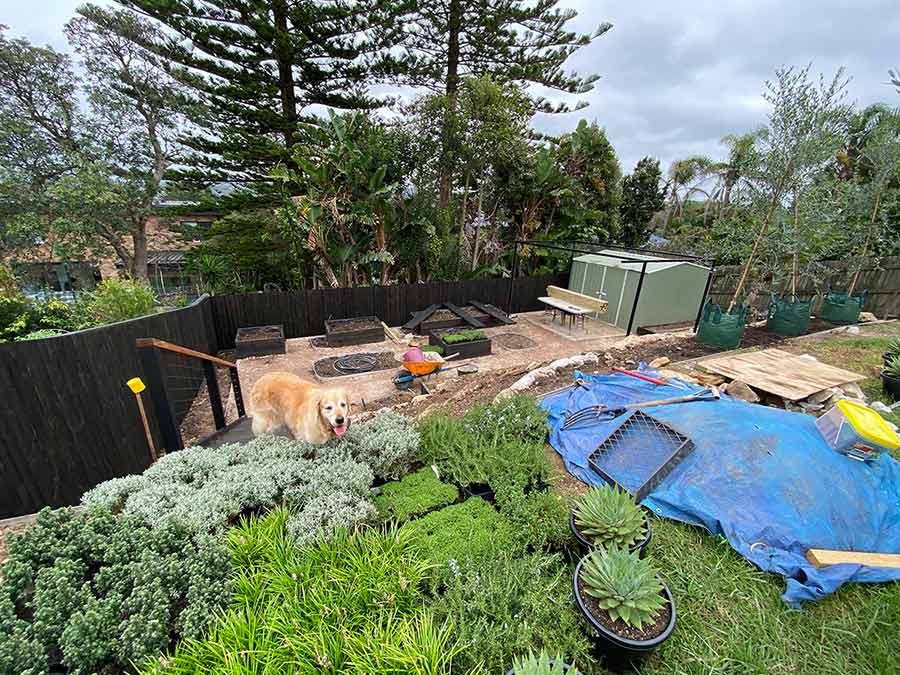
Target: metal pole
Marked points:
637	297
709	278
512	277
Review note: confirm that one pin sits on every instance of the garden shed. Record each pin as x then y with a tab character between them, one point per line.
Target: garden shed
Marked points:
671	290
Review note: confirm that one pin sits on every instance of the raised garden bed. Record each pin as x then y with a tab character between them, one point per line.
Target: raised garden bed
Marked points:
356	331
259	341
444	318
465	342
354	364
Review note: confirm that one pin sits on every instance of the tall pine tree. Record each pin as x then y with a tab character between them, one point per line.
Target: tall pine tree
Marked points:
257	66
516	41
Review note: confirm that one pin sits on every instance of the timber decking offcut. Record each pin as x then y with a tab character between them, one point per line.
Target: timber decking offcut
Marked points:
780	373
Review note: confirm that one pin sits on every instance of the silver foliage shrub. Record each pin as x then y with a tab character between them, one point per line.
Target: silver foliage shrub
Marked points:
388	443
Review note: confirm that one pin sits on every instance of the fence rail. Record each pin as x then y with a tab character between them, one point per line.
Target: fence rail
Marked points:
880	278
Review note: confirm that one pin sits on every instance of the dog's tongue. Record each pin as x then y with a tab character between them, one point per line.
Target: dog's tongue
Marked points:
340	431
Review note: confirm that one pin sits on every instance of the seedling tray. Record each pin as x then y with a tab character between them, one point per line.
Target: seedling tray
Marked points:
466	350
639	453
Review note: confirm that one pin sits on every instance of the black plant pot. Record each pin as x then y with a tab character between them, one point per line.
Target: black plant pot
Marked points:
565	667
586	545
482	490
891	386
620	653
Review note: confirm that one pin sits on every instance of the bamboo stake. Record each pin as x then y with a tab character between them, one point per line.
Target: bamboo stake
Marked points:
762	233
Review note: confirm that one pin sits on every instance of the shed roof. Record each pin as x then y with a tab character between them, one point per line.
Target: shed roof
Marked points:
610	258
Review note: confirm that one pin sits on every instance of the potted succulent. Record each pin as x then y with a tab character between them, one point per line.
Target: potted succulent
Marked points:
608	516
541	664
893	349
890	377
625	602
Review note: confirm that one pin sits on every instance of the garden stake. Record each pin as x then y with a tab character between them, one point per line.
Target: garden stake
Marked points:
137	386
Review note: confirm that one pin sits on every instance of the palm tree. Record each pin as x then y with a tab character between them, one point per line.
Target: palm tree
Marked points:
684	180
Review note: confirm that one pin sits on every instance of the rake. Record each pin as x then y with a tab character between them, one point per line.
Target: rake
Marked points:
604	412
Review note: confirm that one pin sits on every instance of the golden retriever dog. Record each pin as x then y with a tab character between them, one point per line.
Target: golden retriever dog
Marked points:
310	412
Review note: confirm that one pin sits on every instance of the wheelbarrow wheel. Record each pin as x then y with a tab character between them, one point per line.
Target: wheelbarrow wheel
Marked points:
403	379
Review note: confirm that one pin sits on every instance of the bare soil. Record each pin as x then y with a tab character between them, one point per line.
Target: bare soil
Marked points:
350	325
254	333
199	422
328	367
619	627
514	341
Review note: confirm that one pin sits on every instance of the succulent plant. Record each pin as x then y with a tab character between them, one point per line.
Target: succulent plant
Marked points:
610	516
892	367
893	347
540	664
627	587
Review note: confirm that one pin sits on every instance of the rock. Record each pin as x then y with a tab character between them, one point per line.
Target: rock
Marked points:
811	407
660	361
742	391
822	396
668	374
880	407
852	390
418	399
865	317
852	330
807	357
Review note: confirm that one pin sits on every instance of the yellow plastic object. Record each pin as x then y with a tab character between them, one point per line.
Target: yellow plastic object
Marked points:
869	424
136	385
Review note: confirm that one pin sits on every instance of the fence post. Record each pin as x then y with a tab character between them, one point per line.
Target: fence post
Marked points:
236	386
709	278
637	298
165	417
215	396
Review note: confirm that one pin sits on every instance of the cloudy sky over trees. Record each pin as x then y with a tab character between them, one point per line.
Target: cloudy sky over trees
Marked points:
675	77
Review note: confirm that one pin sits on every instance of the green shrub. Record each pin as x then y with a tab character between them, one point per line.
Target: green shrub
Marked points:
41	334
509	605
540	664
388	444
15	317
463	532
94	592
58	315
489	444
416	494
120	299
207	489
463	336
627	587
539	517
608	515
349	604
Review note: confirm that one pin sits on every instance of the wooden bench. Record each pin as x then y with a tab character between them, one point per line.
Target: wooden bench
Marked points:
571	305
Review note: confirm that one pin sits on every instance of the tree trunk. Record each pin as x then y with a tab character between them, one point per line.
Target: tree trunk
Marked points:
282	53
451	88
139	258
865	250
477	230
462	216
756	244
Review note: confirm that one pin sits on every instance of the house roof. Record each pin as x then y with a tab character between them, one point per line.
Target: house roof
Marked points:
610	258
165	257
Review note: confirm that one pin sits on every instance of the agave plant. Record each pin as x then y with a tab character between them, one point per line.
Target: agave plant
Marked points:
627	587
610	516
892	367
893	347
540	664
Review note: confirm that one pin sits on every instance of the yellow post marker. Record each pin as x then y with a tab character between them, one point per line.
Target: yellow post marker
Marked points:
137	385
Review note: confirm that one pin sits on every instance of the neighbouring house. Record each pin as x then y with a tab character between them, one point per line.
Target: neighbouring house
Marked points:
42	269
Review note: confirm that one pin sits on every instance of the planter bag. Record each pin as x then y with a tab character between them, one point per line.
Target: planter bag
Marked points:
720	329
763	478
841	308
788	318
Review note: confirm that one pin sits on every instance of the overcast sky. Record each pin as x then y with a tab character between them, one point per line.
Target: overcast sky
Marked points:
676	77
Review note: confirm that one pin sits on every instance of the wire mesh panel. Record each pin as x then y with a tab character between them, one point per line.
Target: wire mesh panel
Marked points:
639	453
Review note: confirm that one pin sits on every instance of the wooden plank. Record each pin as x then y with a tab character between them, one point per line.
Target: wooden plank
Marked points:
184	351
471	320
780	373
419	317
821	557
490	310
585	301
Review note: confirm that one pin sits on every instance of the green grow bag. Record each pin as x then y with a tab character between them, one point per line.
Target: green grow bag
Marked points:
788	318
842	308
720	329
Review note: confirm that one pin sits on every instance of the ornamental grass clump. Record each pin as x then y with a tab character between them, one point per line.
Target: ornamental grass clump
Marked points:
539	664
628	588
609	516
94	592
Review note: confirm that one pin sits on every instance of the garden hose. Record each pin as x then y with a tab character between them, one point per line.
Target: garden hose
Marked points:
355	363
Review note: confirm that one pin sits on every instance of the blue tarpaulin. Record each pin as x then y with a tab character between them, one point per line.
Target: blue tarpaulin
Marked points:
761	477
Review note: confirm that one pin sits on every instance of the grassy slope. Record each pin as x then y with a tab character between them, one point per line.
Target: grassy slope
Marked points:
731	618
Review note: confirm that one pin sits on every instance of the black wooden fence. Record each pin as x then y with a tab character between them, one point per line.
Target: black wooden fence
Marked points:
303	313
68	422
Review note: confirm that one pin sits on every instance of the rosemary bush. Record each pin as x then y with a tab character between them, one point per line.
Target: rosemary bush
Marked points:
627	587
540	518
94	592
609	516
349	604
207	489
415	495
